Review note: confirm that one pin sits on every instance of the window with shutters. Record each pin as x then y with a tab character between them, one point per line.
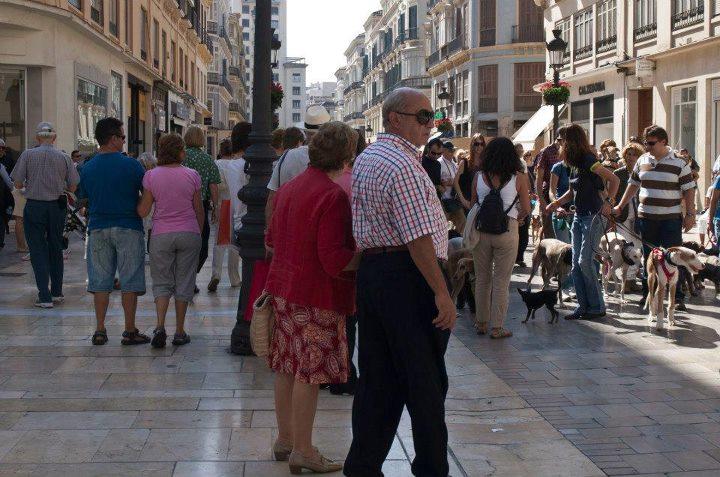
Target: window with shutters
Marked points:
528	75
487	89
530	27
76	3
583	34
114	6
412	23
96	11
164	53
606	25
156	44
487	22
144	34
645	19
564	27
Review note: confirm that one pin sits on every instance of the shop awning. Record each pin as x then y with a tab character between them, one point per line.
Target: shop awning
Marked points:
535	126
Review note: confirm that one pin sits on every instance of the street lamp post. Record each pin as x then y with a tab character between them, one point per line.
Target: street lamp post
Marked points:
556	53
259	158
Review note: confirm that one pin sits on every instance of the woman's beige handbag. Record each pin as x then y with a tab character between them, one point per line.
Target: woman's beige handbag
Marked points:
262	324
471	236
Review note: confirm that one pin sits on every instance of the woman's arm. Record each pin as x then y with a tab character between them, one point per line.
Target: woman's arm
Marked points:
335	226
523	189
199	210
553	185
145	204
613	183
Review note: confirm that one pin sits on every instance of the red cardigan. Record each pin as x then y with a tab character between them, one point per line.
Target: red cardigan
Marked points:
311	237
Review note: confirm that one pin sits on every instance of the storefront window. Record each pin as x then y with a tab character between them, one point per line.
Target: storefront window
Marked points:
116	87
12	109
92	107
684	118
580	114
603	119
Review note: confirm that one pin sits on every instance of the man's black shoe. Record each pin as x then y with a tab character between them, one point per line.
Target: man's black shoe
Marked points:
641	302
680	306
593	316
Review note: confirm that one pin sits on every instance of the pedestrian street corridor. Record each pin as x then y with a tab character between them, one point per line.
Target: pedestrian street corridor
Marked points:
569	399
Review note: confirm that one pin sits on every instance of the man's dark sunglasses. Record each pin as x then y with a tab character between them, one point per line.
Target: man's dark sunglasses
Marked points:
423	116
650	143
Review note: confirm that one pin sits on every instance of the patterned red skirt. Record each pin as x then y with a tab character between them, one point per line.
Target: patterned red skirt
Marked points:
309	343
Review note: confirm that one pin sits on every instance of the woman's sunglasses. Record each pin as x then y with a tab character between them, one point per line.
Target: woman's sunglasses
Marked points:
423	116
479	144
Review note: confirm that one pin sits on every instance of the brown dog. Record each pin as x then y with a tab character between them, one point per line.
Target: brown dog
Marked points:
535	228
663	269
555	258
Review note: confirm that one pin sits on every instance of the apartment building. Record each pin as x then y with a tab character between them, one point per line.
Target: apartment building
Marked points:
484	57
631	63
295	103
238	111
394	56
73	62
278	21
351	85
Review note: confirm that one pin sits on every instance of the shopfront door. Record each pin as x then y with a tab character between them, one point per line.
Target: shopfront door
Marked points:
645	114
12	109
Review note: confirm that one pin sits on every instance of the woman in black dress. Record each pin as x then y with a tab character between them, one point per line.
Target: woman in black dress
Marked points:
468	165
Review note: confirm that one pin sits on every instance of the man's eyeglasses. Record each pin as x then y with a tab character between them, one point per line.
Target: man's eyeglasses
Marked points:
423	116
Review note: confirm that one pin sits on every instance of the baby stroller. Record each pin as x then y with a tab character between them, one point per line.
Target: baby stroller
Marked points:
74	221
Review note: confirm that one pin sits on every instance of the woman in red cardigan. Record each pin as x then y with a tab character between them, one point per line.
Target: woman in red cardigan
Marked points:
312	282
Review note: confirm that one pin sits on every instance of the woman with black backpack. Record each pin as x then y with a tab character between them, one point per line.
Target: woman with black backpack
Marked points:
592	204
501	194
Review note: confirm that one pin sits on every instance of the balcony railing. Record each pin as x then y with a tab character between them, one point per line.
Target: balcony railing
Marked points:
220	80
689	17
456	44
527	33
417	83
583	52
212	27
645	32
234	71
352	86
234	107
351	116
433	59
528	103
606	44
487	37
487	105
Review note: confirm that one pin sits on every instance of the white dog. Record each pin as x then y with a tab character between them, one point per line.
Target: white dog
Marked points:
617	254
663	268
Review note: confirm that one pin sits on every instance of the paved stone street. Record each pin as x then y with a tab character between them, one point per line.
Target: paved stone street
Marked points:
571	399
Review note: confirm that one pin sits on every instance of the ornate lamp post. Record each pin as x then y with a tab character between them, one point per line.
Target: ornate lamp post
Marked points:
259	158
556	53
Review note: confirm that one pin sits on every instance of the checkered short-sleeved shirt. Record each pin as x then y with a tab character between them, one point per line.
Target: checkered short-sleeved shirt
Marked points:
393	200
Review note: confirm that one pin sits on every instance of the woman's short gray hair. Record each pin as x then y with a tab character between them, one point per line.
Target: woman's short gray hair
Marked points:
396	101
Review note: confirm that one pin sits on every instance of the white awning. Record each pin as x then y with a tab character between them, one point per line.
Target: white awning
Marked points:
535	126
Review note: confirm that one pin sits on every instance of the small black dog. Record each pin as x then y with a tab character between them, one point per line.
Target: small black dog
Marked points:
536	300
710	272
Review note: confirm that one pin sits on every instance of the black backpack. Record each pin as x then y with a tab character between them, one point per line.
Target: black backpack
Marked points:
492	216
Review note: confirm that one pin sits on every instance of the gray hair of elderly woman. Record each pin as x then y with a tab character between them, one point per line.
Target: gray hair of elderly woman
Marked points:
397	100
147	160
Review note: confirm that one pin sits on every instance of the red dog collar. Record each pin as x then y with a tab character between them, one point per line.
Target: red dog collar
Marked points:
659	255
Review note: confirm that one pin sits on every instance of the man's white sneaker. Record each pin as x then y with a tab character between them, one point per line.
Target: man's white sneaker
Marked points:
58	299
41	304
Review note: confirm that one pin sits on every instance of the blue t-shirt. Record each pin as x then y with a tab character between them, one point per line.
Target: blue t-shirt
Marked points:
112	183
717	187
563	174
587	186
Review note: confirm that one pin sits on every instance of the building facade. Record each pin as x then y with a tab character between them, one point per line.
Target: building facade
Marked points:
226	82
353	93
246	8
394	56
294	104
632	63
486	55
73	62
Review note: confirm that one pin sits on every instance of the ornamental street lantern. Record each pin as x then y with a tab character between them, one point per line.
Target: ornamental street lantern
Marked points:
275	47
556	56
259	158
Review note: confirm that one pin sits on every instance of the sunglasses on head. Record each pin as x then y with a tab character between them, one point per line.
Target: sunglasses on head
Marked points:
423	116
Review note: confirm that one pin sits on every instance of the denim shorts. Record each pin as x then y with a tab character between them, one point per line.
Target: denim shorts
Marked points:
116	249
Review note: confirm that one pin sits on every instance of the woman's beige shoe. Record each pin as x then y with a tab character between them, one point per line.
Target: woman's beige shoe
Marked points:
281	451
316	463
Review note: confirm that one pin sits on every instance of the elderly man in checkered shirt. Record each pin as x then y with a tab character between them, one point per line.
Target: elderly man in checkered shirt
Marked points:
404	310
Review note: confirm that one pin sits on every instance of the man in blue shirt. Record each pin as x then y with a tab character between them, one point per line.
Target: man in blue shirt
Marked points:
112	183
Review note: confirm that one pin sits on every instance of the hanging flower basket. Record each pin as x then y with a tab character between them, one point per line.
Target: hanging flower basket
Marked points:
276	96
555	95
444	125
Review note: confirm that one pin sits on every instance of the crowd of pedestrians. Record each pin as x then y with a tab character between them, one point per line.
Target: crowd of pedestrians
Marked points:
356	237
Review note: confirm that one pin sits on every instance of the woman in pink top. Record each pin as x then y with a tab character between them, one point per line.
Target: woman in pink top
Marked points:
175	243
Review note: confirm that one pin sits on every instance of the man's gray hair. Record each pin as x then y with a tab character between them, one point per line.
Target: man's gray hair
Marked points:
397	101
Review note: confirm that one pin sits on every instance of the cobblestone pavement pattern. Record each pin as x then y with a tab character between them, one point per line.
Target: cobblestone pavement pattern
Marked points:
570	399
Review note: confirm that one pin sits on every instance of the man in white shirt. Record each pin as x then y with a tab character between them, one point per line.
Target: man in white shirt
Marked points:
451	205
